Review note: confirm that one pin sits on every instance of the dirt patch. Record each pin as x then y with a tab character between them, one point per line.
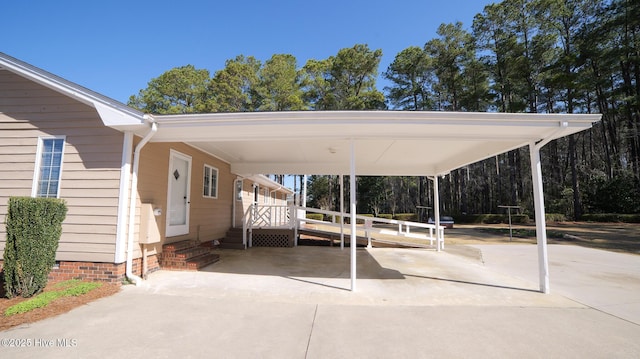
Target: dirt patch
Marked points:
57	307
617	237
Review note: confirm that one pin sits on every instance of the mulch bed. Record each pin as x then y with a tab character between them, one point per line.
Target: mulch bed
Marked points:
57	307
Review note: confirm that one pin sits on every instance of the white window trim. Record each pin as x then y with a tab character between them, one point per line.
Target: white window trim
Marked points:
265	196
36	172
215	196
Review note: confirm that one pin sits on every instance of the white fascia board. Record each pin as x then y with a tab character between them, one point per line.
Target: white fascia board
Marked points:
356	124
392	117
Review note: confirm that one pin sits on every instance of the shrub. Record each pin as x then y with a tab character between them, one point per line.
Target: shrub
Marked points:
611	217
620	194
406	217
468	219
34	226
490	218
555	217
347	218
518	218
315	216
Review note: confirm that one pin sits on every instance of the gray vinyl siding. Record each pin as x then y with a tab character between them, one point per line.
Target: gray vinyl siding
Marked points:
90	171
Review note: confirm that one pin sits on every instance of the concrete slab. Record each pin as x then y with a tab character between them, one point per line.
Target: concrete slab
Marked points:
386	276
470	332
294	303
604	280
135	324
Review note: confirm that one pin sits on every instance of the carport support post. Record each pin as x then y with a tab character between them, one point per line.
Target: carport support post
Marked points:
341	212
541	227
352	200
436	211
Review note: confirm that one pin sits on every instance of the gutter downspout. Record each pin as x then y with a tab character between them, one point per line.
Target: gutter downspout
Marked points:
274	190
133	199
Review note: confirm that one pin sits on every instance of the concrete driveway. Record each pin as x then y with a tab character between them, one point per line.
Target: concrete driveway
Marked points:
602	280
294	303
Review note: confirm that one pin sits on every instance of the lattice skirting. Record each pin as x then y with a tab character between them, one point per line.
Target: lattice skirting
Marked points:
272	238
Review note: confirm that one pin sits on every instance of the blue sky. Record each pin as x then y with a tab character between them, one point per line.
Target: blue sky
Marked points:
115	47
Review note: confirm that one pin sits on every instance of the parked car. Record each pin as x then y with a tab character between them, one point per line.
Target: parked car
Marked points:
446	221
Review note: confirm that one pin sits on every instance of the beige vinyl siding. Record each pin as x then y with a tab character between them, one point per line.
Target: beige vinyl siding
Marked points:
90	170
209	218
248	197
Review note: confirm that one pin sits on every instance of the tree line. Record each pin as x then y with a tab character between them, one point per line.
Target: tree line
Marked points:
537	56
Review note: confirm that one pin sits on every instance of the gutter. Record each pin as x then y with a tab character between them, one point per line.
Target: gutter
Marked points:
563	126
274	190
133	199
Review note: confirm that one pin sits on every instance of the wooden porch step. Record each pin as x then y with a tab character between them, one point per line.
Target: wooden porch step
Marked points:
231	245
232	240
235	233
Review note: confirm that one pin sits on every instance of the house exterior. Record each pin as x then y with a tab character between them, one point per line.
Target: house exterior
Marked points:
58	139
135	182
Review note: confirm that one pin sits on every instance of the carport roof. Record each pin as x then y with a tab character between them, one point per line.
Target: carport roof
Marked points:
319	142
385	142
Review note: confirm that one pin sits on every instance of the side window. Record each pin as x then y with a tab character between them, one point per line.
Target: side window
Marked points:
210	182
48	169
265	196
239	190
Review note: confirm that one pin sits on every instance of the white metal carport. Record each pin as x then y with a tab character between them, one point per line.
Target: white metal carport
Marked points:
385	143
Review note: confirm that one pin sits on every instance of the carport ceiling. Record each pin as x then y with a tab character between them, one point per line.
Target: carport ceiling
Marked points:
385	142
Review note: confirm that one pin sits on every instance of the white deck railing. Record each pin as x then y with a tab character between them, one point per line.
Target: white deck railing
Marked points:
280	216
265	216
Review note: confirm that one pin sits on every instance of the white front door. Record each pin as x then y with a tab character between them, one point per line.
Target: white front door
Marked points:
178	194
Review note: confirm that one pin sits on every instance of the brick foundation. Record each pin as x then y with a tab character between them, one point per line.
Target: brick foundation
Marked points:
105	272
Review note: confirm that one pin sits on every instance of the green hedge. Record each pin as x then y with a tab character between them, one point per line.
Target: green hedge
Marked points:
611	217
347	219
315	216
34	226
555	217
412	217
550	217
490	218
